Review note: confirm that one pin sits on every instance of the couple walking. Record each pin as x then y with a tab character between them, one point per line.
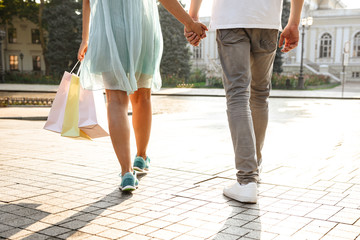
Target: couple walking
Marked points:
123	45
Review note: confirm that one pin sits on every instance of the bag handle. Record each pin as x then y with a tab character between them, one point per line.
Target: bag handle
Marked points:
78	71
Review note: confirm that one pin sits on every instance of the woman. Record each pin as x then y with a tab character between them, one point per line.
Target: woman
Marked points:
123	45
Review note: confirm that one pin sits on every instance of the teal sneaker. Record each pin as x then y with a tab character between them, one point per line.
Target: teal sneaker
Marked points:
141	165
129	182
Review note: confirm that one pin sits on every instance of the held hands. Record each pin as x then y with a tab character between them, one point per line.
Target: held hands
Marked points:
291	37
195	33
82	50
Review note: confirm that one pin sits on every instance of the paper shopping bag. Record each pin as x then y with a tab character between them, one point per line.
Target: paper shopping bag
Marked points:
71	116
56	116
93	114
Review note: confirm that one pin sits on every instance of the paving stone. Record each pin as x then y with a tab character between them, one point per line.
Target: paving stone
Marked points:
187	237
346	215
143	229
180	228
113	233
123	225
74	224
344	231
36	236
224	236
164	234
239	231
158	223
74	235
324	212
54	231
135	236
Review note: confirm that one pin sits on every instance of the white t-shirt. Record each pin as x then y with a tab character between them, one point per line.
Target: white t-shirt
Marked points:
246	14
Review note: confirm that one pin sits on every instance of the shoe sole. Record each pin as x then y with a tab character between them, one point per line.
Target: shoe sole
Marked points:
241	199
141	171
128	188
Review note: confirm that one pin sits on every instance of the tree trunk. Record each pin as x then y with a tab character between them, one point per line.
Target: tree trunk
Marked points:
42	37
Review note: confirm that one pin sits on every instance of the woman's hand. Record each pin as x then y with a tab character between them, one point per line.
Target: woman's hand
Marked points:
197	28
82	50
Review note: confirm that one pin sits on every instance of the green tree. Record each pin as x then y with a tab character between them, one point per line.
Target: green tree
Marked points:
26	9
63	20
176	57
278	62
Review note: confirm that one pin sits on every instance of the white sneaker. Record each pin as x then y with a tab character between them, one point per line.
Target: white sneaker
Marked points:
246	193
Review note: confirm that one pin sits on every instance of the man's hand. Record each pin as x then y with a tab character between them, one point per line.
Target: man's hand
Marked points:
193	38
291	37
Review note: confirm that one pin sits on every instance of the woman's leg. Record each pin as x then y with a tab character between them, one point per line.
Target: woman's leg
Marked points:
117	105
141	119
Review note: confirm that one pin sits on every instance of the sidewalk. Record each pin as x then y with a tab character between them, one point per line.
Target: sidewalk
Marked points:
351	90
53	187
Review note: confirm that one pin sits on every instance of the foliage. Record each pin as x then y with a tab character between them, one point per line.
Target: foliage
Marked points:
64	34
279	81
21	8
175	63
278	62
172	81
316	80
215	82
197	79
30	78
197	76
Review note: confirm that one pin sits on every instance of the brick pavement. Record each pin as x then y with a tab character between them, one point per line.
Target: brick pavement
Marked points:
59	188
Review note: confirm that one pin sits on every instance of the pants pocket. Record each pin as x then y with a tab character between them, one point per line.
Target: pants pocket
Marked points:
268	41
230	36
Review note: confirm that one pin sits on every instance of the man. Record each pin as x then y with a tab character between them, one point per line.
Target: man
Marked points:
246	33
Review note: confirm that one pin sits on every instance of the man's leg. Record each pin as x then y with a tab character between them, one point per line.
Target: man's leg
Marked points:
263	50
234	51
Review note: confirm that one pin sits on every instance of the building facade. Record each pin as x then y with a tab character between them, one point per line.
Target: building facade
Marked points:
21	49
334	29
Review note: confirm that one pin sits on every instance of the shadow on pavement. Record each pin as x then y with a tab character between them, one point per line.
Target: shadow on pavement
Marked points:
243	221
19	216
86	215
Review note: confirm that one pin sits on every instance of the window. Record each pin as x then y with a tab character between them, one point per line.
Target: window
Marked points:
36	63
35	36
12	35
355	74
14	63
325	46
197	52
357	45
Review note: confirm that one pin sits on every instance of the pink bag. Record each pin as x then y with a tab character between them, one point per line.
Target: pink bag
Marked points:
93	114
56	116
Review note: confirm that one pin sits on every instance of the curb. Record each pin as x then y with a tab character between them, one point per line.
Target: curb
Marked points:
277	96
25	118
35	118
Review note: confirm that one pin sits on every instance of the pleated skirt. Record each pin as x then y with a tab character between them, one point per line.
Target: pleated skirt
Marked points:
125	46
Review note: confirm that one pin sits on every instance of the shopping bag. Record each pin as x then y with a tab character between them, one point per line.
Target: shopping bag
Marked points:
93	114
71	116
56	115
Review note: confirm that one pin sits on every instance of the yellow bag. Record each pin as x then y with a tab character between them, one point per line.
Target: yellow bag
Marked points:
71	118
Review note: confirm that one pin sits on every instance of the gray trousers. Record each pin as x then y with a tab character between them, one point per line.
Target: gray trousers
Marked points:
247	57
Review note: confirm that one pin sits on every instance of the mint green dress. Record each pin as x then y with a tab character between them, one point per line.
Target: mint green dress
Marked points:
125	46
